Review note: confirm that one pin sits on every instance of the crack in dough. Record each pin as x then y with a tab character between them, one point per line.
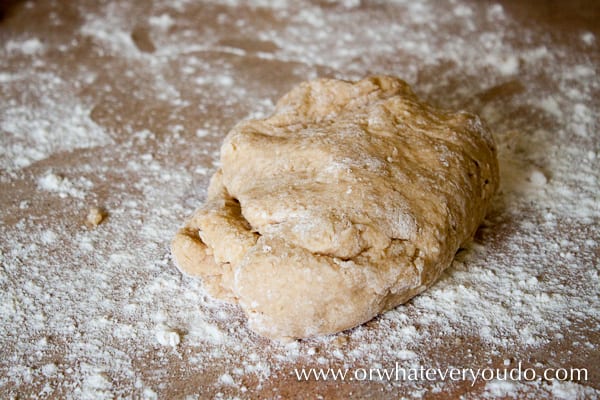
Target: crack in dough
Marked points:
349	200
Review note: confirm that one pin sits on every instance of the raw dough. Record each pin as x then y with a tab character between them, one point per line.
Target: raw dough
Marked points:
349	200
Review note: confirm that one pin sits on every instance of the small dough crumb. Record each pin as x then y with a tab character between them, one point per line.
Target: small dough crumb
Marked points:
95	216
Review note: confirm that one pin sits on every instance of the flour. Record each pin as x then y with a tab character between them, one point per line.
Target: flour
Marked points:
104	312
63	186
56	122
28	47
163	21
226	379
588	38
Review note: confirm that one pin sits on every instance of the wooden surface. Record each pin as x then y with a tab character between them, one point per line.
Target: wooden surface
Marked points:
123	105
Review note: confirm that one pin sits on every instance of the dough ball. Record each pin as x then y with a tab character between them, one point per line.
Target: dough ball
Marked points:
349	200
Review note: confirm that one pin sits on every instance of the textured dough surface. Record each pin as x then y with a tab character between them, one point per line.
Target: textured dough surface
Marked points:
349	200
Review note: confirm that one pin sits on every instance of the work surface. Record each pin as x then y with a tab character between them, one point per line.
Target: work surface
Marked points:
123	106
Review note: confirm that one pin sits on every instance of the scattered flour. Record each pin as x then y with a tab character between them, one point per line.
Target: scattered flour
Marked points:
64	187
56	122
550	105
588	38
163	21
538	178
105	312
226	379
29	47
167	337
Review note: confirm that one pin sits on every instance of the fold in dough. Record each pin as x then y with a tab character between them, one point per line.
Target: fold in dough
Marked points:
349	200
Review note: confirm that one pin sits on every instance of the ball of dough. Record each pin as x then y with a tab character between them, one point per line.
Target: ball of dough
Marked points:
349	200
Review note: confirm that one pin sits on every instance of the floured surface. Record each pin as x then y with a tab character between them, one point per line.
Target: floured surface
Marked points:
124	107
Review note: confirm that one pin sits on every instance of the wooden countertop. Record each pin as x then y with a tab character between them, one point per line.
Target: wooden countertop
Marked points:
123	106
